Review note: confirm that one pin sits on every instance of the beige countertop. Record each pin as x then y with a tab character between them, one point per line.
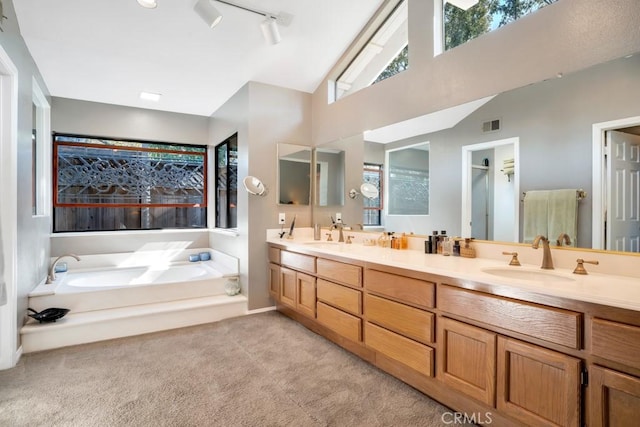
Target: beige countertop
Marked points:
605	289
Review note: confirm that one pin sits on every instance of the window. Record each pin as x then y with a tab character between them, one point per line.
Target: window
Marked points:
227	183
383	55
373	207
408	180
105	184
463	23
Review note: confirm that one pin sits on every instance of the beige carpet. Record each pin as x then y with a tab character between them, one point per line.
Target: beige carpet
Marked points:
259	370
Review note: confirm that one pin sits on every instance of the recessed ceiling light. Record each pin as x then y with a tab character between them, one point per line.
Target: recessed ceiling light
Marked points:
149	96
149	4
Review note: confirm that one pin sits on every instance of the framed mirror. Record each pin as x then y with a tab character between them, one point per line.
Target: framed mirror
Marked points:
329	176
294	174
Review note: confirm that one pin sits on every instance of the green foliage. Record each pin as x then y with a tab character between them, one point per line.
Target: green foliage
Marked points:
399	63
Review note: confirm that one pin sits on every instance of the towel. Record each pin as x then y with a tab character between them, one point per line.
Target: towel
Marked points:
563	214
536	215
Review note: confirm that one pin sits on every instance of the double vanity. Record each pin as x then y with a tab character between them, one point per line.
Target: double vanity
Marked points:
500	344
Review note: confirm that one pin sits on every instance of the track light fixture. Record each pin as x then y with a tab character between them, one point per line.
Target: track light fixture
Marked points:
208	12
270	29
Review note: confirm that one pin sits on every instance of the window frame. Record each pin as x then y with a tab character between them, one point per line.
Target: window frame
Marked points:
230	219
378	169
155	147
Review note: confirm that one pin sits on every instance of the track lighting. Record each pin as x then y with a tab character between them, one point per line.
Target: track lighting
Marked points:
270	25
270	30
208	12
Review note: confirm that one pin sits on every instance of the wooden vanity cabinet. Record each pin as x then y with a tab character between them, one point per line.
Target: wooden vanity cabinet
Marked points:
614	398
274	281
467	359
397	325
288	287
297	290
537	386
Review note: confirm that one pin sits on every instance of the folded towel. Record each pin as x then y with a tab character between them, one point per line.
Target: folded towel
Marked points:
536	215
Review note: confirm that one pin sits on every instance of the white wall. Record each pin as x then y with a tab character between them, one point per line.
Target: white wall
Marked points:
32	231
566	36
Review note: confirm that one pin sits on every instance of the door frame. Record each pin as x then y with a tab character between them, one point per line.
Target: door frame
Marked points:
599	180
467	151
9	354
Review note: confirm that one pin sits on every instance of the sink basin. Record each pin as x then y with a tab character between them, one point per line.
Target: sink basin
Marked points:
532	275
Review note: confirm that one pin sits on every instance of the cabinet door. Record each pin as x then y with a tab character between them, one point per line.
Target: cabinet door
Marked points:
614	398
288	287
274	281
537	386
306	295
467	359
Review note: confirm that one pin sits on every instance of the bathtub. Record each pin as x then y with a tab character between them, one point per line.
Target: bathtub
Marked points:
109	287
137	276
111	298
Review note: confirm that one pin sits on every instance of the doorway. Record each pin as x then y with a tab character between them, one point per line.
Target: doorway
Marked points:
616	185
490	201
9	354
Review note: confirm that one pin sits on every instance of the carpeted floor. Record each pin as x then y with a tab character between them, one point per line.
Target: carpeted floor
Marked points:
259	370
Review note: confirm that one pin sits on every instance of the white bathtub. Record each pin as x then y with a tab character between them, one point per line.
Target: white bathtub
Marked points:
105	288
111	298
137	276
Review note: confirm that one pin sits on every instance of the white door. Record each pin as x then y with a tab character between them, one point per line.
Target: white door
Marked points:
623	192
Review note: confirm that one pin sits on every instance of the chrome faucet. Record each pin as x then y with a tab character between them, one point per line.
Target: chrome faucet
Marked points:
563	237
547	262
51	276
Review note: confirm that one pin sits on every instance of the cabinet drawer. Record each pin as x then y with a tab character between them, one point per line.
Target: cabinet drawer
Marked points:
409	321
405	289
411	353
274	255
338	321
546	323
340	272
340	296
616	342
300	262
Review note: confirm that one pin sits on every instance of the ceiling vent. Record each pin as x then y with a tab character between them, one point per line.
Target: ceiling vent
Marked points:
491	125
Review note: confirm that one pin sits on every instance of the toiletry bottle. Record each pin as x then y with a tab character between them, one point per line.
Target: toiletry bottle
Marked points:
432	243
441	239
456	247
447	246
404	242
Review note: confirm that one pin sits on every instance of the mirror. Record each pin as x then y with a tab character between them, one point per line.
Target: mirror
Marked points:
368	191
553	121
294	174
329	175
254	186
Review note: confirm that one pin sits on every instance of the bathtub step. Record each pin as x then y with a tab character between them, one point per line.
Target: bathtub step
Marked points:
99	325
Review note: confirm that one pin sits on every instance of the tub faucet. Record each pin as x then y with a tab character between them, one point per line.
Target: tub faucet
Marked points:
51	277
563	237
547	262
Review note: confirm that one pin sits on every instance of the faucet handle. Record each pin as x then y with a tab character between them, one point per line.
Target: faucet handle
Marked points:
580	267
329	238
349	239
514	258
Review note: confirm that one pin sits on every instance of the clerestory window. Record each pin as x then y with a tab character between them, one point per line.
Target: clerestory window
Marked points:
382	55
102	184
465	20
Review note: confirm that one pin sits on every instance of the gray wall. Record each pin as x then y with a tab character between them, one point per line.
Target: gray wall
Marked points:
566	36
553	120
263	116
32	231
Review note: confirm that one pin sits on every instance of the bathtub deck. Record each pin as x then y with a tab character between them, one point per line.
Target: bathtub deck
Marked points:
92	326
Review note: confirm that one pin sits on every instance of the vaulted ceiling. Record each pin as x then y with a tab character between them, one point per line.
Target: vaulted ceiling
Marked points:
110	51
